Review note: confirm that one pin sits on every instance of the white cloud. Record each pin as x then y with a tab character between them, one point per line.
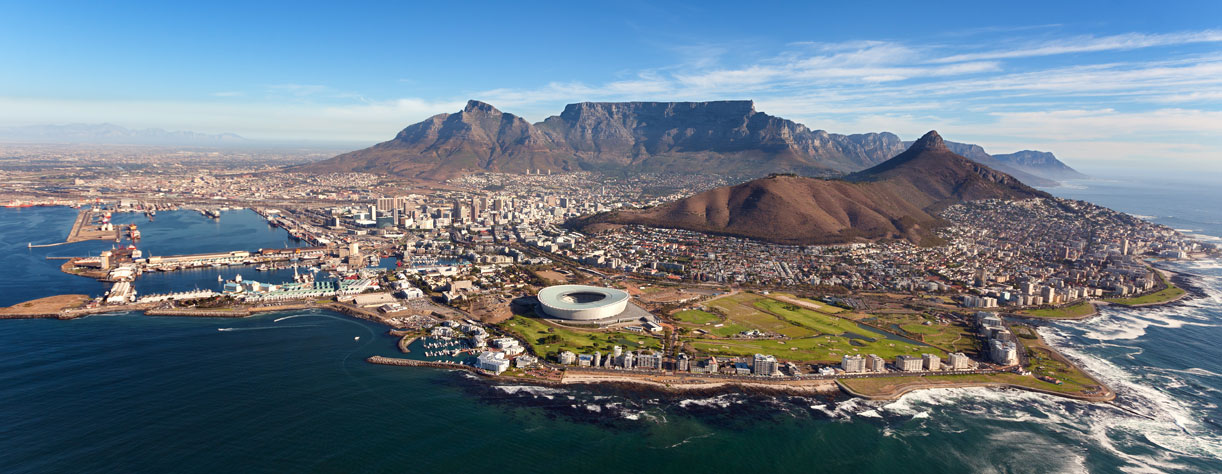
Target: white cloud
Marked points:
1086	44
1132	106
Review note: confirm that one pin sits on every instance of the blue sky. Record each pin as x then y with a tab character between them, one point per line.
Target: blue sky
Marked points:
1098	83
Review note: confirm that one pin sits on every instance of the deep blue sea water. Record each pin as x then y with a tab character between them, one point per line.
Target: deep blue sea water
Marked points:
134	393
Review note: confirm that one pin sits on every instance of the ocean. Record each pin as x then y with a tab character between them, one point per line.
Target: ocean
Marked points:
291	391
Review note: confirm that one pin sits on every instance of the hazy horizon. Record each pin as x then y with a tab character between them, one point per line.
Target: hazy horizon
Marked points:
1099	85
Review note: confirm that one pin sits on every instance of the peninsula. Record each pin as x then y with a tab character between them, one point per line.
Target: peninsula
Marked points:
928	269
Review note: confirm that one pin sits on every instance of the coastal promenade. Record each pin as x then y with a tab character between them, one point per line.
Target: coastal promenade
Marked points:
682	383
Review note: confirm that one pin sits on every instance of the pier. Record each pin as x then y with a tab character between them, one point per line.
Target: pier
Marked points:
426	363
38	246
82	230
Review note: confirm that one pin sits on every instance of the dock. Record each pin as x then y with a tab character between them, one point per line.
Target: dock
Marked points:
82	230
38	246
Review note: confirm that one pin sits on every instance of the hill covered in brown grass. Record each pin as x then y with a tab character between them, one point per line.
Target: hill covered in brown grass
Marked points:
896	199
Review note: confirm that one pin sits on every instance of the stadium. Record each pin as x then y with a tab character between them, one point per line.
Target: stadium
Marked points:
583	303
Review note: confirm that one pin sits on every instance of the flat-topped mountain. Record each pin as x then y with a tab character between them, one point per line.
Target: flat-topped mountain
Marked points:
1039	163
1032	167
721	137
725	137
896	199
728	136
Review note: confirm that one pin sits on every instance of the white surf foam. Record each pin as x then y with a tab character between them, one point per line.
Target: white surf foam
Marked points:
1121	324
1143	409
549	393
720	401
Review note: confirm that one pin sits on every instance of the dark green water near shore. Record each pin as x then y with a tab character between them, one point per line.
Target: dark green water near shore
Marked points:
134	393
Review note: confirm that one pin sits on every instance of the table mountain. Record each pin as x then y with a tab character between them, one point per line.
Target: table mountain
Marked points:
899	198
722	137
725	137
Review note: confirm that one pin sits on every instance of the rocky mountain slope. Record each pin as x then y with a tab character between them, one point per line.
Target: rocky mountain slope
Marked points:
724	137
1039	163
896	199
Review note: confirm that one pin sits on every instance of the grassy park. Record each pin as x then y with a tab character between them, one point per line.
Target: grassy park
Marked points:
545	339
695	316
1076	311
810	335
925	328
1170	293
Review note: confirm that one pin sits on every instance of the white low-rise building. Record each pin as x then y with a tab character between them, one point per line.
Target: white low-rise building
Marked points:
494	362
524	361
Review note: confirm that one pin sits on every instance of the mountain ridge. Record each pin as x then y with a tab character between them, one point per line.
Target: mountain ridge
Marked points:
726	137
897	199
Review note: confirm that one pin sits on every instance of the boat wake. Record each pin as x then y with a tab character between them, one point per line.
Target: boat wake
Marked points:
263	328
687	440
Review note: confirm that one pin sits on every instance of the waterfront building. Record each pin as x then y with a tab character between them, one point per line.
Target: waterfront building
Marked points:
1049	294
649	360
853	364
525	361
1003	352
626	360
958	361
907	363
585	360
764	365
566	358
598	358
370	299
494	362
875	363
931	362
683	364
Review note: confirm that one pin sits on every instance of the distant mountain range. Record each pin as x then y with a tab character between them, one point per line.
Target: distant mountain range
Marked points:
723	137
899	198
106	133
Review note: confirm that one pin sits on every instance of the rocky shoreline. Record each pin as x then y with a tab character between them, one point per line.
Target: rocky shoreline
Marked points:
659	382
